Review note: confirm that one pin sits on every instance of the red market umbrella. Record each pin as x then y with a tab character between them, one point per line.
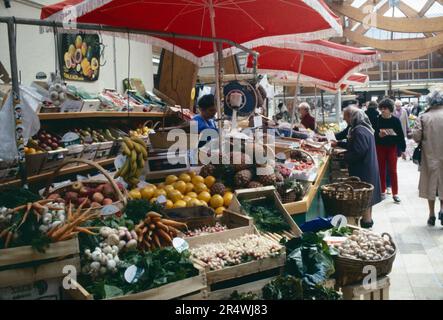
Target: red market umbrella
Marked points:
247	22
319	62
357	79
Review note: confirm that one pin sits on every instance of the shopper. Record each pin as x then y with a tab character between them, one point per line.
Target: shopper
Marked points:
428	131
205	118
361	155
372	113
389	138
401	114
416	109
307	120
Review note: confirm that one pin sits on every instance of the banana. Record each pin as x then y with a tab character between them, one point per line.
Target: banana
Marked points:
129	143
125	150
140	161
139	141
133	181
133	156
141	149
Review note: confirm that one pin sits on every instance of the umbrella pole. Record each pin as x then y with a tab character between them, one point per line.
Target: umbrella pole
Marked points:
296	88
217	70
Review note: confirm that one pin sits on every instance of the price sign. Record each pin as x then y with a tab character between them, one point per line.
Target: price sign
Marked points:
109	210
161	199
180	244
70	138
119	161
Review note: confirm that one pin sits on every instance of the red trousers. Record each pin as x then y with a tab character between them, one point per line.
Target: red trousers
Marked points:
388	154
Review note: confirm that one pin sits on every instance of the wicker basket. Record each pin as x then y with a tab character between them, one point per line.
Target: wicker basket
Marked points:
350	271
119	195
350	199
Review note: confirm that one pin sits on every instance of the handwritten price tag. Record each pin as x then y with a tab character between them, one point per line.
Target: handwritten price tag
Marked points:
180	244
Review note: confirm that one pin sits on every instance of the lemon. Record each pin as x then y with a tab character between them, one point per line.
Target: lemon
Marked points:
198	179
216	201
187	199
185	177
219	210
159	192
180	204
200	187
227	198
168	188
153	200
161	185
171	179
205	196
175	196
180	186
189	187
192	174
147	192
209	181
169	204
135	194
192	194
193	203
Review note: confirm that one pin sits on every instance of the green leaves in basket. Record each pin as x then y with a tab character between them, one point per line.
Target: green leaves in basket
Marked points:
266	217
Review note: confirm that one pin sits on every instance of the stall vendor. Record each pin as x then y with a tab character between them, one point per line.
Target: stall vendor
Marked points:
307	120
205	118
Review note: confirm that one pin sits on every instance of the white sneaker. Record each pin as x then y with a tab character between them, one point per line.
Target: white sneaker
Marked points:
388	191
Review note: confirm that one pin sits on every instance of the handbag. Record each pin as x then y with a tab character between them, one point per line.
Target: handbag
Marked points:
416	156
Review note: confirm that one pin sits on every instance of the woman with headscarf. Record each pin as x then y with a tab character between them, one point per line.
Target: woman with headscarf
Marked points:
427	131
361	155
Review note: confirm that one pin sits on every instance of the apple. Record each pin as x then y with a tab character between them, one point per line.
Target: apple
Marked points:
98	197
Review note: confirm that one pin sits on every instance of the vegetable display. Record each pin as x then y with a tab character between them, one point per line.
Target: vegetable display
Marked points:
266	217
366	245
156	232
236	251
206	230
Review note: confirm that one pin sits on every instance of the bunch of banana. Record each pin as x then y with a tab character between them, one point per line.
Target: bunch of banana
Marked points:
136	154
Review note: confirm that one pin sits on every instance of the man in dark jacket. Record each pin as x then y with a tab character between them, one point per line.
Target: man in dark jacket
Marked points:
372	113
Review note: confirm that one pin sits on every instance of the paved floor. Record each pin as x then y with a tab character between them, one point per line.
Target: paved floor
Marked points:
418	268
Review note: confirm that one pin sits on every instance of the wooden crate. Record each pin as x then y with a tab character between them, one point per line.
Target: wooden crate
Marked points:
169	291
241	270
260	193
23	265
359	292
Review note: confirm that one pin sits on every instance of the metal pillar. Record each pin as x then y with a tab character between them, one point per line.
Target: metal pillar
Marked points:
338	106
16	101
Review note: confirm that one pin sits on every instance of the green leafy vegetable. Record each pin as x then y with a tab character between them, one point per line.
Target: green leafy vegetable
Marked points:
341	232
136	210
266	217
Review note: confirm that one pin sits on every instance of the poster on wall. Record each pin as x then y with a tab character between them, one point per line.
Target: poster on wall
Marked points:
80	56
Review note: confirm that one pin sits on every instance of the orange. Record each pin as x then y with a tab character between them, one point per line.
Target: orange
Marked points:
219	210
187	199
192	174
180	204
227	198
168	188
161	185
193	203
135	194
189	187
147	192
153	200
169	204
198	179
209	181
175	196
205	196
192	194
216	201
180	186
200	187
185	177
171	179
202	203
159	192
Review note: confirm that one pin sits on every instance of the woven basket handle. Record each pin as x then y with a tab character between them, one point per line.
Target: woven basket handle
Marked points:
344	187
387	234
351	179
92	164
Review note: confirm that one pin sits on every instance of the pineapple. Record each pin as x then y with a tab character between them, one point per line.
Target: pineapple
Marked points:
267	177
254	184
218	188
242	178
208	170
244	161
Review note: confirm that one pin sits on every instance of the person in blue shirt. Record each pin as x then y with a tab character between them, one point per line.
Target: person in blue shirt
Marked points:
205	118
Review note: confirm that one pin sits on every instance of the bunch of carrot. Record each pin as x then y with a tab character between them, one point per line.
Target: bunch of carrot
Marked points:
73	224
157	232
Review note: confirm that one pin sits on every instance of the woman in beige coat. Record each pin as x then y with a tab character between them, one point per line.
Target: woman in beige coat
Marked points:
428	131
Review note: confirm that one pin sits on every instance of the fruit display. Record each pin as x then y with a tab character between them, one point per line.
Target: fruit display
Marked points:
236	251
156	232
92	195
46	141
187	190
89	135
365	245
136	153
206	230
323	128
140	132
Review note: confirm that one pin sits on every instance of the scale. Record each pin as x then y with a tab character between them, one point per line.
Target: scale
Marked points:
240	102
158	164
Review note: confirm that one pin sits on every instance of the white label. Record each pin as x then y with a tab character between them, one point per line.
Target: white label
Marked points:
161	199
109	210
119	161
180	244
142	184
133	273
258	121
70	136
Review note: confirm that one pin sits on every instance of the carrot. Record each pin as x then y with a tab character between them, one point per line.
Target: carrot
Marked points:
160	225
152	214
164	235
174	224
51	231
152	226
69	212
147	220
85	230
37	206
156	219
67	236
62	230
174	230
8	238
145	229
25	216
140	238
157	240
